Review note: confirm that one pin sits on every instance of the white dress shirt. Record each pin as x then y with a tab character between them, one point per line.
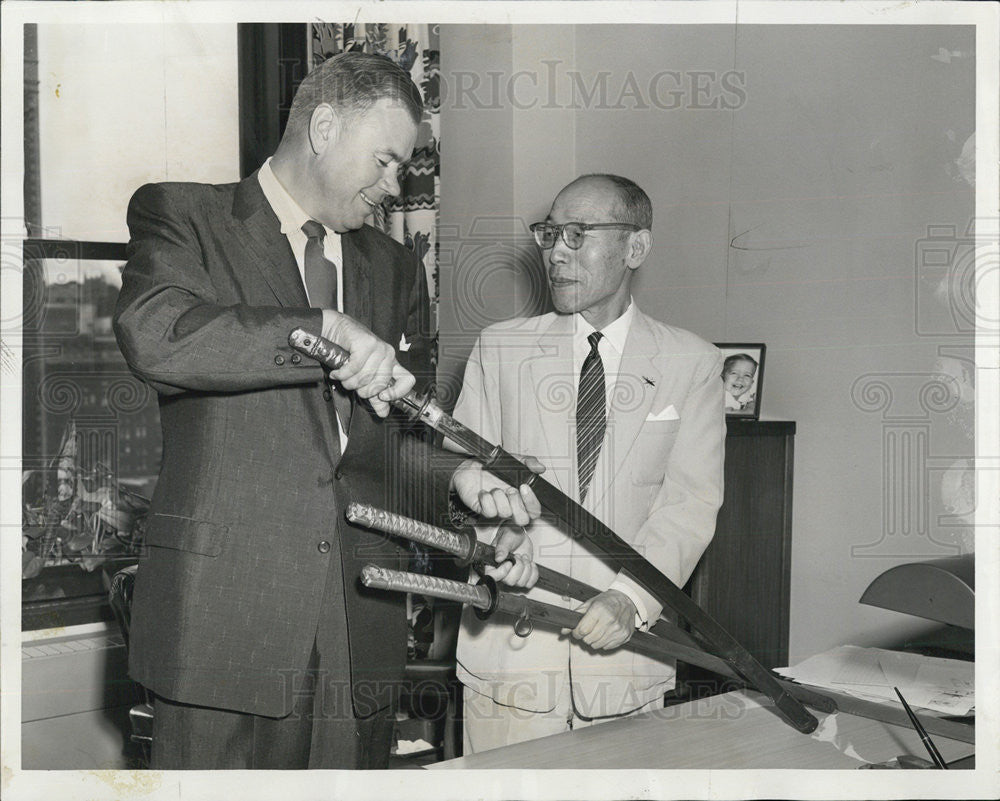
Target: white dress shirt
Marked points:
291	217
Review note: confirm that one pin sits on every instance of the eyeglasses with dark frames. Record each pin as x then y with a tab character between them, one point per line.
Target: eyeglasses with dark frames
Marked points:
572	232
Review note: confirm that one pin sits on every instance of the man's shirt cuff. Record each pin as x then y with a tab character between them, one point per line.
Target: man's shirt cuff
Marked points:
641	618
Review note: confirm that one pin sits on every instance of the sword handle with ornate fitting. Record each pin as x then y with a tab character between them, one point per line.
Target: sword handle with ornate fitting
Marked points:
319	348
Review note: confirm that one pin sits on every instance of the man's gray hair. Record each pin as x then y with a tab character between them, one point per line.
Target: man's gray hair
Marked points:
352	83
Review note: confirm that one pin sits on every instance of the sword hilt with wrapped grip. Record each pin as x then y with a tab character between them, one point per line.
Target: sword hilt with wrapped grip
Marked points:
462	544
459	544
382	578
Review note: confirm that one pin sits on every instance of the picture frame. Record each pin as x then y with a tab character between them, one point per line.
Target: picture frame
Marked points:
748	383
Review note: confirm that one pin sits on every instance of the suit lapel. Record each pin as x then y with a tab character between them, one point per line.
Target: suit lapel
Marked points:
632	399
554	363
273	261
357	268
271	255
357	277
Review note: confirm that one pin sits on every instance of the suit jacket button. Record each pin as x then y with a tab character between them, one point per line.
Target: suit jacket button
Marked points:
323	547
327	395
338	474
296	358
279	359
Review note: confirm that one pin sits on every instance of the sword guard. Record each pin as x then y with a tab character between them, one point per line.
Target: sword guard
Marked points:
469	533
491	587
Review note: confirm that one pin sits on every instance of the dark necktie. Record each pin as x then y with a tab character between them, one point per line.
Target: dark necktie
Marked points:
321	283
590	418
321	273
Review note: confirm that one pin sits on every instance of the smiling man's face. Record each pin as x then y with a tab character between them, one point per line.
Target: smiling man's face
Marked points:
358	163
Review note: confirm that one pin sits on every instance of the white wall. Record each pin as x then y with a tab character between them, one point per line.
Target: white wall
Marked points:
121	105
794	217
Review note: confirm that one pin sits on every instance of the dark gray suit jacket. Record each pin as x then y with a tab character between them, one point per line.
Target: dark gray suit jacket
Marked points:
228	595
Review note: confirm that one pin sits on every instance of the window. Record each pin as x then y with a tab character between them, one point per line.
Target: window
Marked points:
107	109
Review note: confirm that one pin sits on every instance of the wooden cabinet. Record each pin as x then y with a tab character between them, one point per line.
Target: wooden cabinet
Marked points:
743	579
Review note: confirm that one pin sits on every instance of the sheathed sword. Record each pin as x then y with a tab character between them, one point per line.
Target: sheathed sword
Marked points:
600	539
486	598
464	545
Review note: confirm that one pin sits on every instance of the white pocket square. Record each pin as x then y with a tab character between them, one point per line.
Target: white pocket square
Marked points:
403	344
668	413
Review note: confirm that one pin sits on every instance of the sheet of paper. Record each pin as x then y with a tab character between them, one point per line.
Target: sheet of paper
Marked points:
946	690
942	685
874	666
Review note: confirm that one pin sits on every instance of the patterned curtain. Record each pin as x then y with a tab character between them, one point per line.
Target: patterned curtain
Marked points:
411	218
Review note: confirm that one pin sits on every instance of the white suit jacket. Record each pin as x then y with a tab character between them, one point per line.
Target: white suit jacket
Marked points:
657	484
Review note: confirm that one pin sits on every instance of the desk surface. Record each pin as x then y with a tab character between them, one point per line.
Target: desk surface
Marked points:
736	730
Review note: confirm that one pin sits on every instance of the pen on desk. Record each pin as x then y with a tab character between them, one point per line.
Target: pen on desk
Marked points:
924	738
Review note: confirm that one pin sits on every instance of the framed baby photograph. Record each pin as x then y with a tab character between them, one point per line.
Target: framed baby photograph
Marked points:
742	378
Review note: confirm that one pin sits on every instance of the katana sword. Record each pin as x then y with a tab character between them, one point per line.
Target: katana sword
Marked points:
577	521
664	639
463	544
468	550
486	598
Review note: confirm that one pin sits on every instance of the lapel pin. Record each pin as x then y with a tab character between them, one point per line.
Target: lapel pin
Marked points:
648	380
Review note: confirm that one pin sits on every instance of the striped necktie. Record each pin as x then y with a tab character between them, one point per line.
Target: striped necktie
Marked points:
590	417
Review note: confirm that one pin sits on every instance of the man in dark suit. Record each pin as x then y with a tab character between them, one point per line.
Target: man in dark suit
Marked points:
249	623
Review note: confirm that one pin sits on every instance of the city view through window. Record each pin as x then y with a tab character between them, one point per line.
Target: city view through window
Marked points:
91	440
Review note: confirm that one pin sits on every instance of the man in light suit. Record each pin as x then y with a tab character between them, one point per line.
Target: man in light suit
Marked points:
626	413
249	623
